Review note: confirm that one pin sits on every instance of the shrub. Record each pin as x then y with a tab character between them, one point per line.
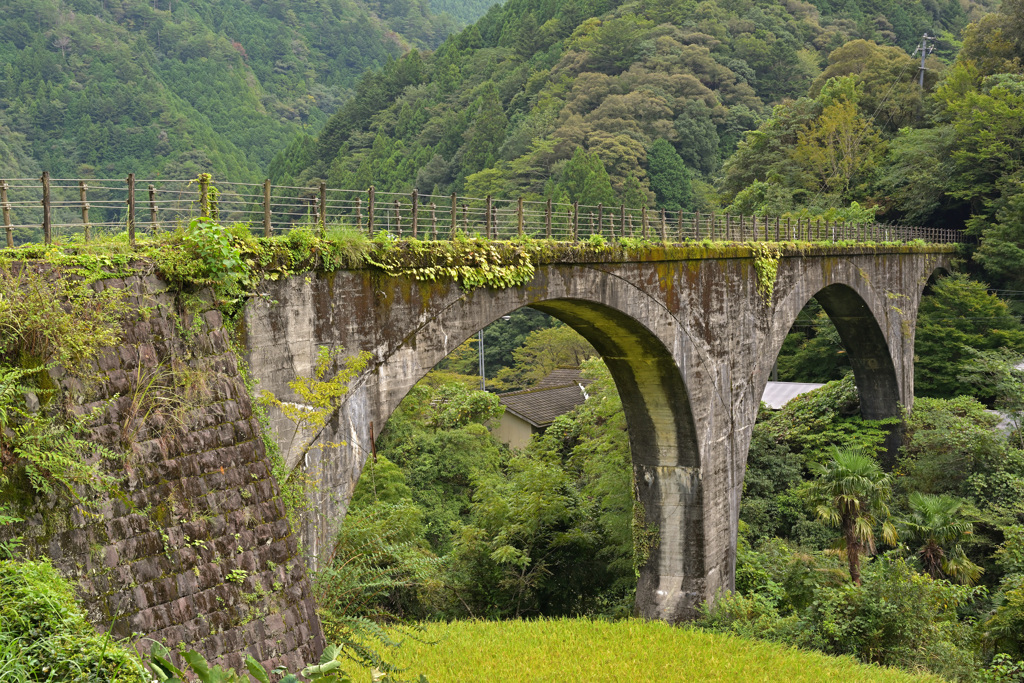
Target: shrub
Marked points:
44	635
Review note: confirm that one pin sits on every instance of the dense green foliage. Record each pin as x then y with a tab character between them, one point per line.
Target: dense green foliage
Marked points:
956	321
44	635
954	510
592	101
947	156
171	88
474	530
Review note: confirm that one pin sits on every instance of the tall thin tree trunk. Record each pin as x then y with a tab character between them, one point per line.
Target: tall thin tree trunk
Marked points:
852	549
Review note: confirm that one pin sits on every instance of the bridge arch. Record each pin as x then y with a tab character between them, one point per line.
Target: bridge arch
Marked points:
863	338
634	335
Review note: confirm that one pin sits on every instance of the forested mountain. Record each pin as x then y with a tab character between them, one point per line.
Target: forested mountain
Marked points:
465	11
592	100
950	156
173	87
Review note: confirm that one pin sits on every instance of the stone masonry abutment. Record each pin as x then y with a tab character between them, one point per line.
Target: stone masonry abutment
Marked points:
689	341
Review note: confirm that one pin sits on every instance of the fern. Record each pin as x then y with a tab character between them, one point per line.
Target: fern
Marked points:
53	453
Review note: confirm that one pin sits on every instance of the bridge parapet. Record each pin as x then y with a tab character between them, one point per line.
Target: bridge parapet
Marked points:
44	209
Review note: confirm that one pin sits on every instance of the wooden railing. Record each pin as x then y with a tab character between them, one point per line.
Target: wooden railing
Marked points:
44	209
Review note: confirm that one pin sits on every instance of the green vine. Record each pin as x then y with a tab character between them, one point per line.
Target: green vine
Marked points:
646	539
473	263
766	265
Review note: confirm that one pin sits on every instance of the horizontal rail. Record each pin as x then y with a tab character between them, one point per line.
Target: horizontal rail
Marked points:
42	209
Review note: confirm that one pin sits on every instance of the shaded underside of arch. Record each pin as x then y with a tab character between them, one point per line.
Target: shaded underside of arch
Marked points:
867	349
666	459
653	394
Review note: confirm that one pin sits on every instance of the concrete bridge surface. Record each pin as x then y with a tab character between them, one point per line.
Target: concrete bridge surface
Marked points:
689	341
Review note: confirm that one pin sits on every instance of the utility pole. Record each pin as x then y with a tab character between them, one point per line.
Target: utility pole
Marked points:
925	48
480	350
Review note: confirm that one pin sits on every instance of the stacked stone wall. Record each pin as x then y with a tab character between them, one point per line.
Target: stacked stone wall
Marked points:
193	548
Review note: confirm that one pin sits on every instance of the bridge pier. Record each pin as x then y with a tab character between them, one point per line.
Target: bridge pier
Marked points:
688	339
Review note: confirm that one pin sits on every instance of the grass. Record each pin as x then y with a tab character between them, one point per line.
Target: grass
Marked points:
568	650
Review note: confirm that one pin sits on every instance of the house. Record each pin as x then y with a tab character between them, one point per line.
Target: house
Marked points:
532	410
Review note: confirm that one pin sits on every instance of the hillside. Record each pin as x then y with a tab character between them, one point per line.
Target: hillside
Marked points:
172	87
592	100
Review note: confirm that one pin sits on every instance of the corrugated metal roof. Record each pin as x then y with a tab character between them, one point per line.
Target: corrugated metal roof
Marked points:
778	394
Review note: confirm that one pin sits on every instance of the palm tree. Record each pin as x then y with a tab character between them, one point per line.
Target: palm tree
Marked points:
935	526
852	493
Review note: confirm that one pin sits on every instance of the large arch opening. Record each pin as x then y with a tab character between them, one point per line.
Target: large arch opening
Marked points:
664	476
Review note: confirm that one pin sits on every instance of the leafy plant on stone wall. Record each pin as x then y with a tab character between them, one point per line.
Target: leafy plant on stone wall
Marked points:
50	324
473	262
320	396
766	266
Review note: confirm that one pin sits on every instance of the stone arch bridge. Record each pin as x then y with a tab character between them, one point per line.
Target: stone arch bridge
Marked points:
689	341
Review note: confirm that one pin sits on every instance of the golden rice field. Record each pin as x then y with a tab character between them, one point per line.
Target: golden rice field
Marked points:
578	650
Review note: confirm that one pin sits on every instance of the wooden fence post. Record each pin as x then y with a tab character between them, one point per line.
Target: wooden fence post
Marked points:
370	207
455	216
433	220
547	219
323	208
45	178
131	209
643	220
415	212
204	195
153	225
6	205
679	231
519	216
87	227
267	227
487	219
696	225
575	221
622	220
398	218
664	227
600	219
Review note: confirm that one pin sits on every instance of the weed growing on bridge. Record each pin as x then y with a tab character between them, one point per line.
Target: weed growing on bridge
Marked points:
320	396
472	262
766	265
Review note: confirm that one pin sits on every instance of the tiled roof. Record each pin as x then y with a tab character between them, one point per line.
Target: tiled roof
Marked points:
540	406
555	395
560	377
